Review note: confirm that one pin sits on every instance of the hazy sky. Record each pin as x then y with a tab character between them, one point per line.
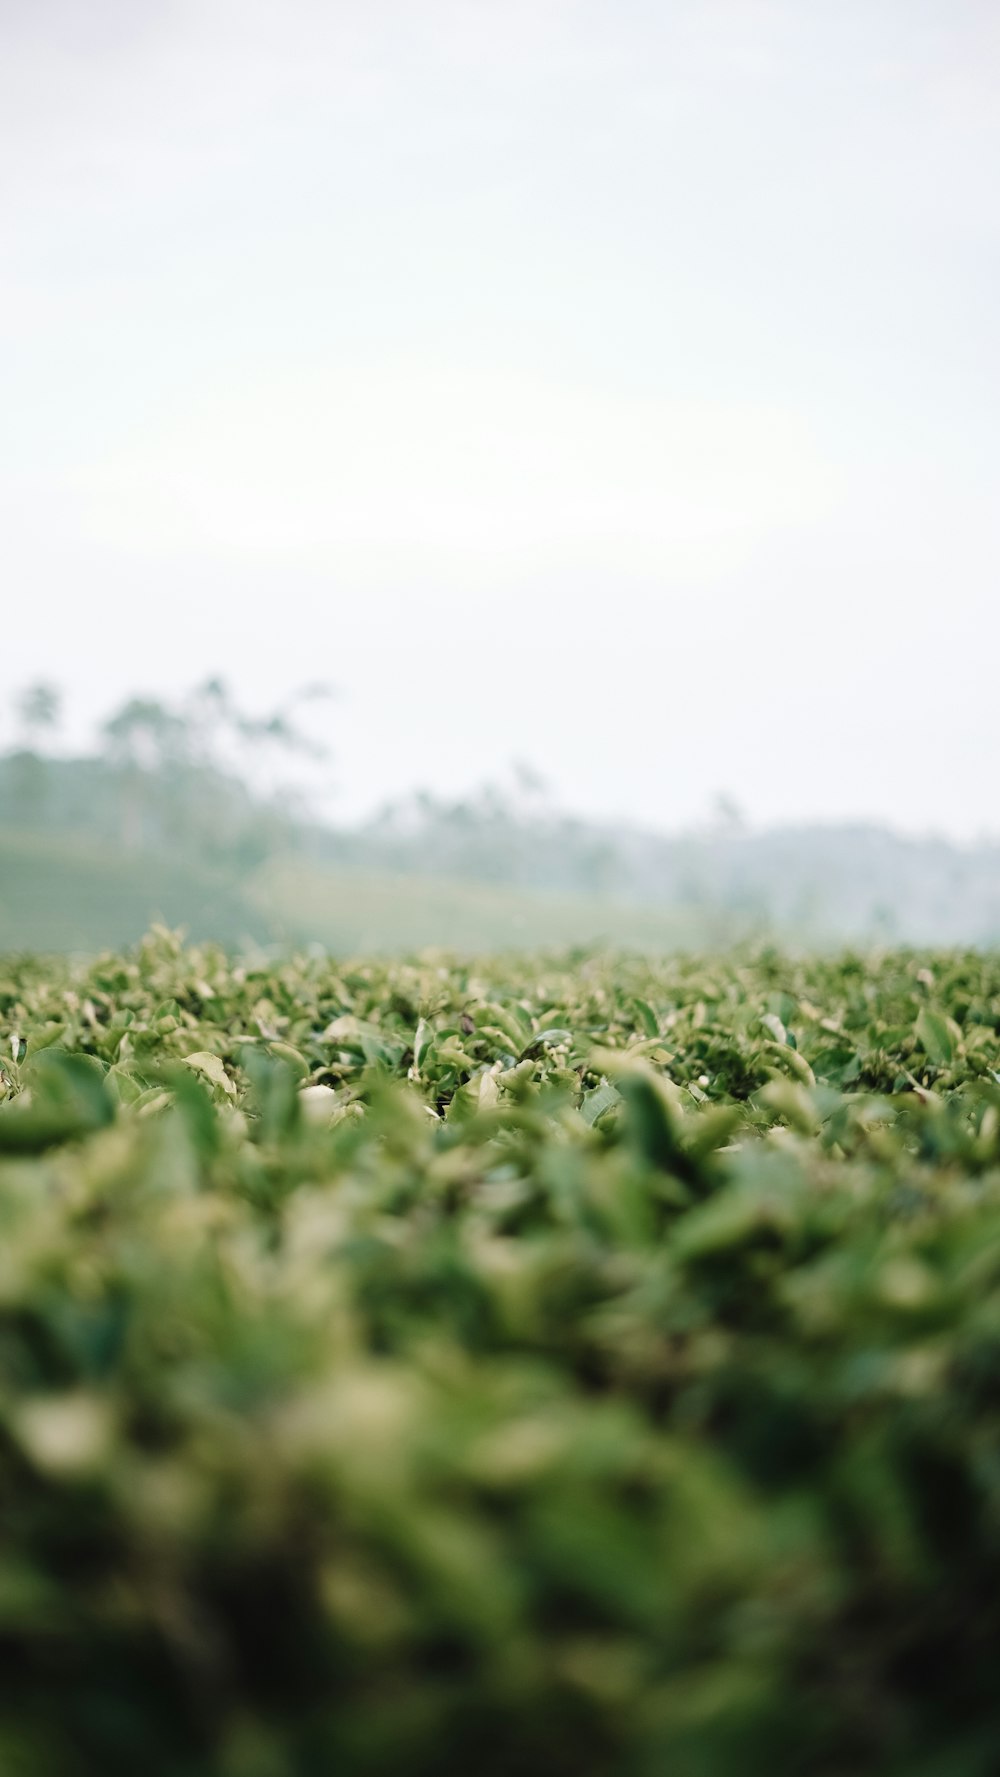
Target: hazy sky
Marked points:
606	383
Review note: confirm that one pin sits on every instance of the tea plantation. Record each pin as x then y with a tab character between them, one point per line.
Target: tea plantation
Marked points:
567	1365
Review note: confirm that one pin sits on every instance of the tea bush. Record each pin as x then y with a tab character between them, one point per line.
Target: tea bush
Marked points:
556	1365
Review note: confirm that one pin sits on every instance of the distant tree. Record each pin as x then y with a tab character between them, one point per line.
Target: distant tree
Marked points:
529	783
145	733
37	709
142	739
185	770
728	815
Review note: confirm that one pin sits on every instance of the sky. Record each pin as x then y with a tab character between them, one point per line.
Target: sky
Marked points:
605	384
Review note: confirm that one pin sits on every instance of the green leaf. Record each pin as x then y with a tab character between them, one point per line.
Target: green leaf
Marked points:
546	1039
43	1039
291	1057
654	1125
210	1068
934	1037
68	1099
420	1041
602	1099
646	1017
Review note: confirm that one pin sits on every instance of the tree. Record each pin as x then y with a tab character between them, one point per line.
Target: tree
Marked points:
37	709
183	769
728	815
143	738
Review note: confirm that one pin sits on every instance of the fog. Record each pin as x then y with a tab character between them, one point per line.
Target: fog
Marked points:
608	385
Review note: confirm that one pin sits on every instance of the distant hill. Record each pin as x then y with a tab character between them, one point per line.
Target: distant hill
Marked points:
352	910
61	892
93	848
858	883
64	894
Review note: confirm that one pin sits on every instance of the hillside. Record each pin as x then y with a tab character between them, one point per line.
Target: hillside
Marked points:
63	893
93	848
350	910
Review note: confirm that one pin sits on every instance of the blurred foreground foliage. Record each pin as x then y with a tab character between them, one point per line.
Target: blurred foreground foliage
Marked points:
565	1365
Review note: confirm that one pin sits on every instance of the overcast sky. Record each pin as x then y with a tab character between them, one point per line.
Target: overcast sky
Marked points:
610	384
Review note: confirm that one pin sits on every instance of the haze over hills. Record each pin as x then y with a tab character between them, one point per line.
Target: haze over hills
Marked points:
168	819
848	882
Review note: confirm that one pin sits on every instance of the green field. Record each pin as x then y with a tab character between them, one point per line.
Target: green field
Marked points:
566	1363
61	893
353	911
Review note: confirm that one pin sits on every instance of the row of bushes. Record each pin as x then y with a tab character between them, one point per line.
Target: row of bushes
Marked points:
568	1365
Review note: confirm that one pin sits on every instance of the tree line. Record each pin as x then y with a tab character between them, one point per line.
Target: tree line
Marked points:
188	773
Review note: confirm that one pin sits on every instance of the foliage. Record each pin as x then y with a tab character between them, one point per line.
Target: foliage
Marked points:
167	777
578	1365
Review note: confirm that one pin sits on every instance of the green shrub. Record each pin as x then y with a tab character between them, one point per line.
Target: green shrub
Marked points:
550	1366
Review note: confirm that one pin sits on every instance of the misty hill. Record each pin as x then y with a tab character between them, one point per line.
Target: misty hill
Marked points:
853	882
167	819
64	893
